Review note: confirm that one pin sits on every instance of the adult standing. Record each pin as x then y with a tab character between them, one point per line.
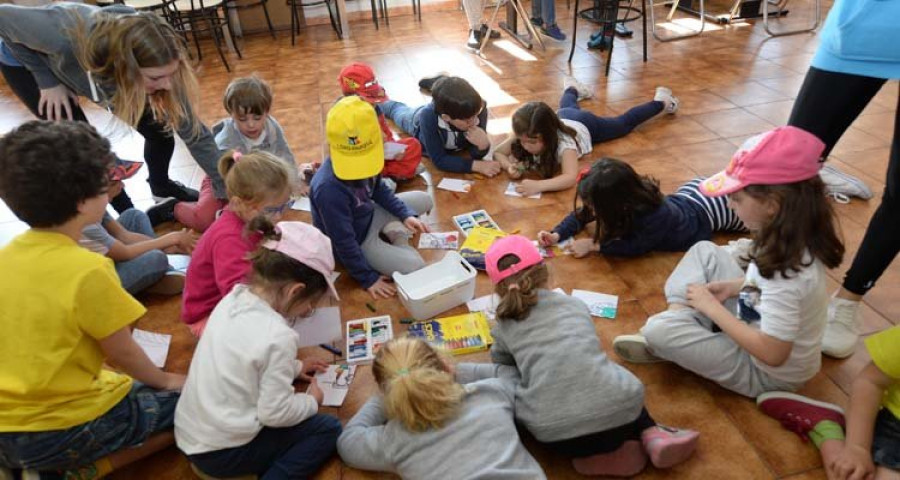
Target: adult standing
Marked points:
855	58
131	63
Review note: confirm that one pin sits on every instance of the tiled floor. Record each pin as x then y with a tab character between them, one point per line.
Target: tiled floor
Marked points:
733	82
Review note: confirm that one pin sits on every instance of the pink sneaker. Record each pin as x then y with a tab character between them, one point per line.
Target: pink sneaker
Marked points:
797	413
669	446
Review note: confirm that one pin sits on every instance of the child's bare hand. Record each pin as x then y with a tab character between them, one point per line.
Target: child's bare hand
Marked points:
513	171
174	381
382	289
302	189
416	225
311	367
546	239
582	247
852	463
488	169
528	188
478	137
700	298
315	392
723	290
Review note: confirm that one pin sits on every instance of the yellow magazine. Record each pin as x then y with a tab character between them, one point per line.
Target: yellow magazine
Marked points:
477	244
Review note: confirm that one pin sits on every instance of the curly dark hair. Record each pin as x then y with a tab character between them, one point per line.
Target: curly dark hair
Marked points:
48	168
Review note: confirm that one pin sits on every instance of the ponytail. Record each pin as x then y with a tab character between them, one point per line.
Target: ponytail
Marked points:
518	292
418	390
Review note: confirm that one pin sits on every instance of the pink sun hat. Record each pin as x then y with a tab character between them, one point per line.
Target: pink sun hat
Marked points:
307	245
780	156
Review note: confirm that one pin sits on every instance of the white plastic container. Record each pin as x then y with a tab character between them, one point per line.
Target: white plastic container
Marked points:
437	287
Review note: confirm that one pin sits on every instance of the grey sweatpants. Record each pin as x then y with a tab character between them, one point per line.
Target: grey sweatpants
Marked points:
386	257
685	336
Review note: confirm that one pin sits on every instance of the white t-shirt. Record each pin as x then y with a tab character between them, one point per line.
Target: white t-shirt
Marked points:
566	142
791	309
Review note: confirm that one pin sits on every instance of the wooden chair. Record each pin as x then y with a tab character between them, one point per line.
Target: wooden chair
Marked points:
333	14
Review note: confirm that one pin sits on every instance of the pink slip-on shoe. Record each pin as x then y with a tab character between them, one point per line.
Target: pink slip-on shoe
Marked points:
669	446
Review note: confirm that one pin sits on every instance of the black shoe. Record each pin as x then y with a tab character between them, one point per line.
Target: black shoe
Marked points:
474	41
162	212
174	189
495	34
426	83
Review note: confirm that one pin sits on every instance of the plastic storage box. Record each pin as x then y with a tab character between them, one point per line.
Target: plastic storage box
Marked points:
437	287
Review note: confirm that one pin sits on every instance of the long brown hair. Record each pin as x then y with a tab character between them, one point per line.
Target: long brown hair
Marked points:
516	302
418	390
613	194
804	222
538	119
115	50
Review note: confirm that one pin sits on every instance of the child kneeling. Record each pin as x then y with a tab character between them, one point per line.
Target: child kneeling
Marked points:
572	398
239	414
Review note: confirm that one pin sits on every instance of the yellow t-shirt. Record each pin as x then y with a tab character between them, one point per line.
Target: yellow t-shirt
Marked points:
884	348
57	300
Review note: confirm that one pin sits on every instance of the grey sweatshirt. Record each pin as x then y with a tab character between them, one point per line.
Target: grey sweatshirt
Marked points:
569	388
228	137
40	38
480	443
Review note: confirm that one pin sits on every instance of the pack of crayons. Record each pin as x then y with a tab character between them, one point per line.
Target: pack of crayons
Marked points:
458	335
365	336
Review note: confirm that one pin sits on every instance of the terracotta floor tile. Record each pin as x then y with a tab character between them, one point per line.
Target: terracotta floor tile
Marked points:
731	123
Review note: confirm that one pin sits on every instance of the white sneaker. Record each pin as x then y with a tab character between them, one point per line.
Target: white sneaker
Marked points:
842	329
584	92
634	349
838	183
664	94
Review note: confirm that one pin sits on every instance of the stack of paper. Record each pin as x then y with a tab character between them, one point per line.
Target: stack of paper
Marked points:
600	304
455	185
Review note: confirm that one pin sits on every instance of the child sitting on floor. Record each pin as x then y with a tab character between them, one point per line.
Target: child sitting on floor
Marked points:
64	314
550	144
139	255
239	414
433	420
355	208
249	128
572	398
871	448
760	330
455	122
359	79
633	217
259	185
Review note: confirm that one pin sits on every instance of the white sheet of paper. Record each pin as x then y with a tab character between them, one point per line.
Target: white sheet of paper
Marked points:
392	149
324	326
302	204
335	383
439	241
155	345
511	191
487	304
179	262
600	304
455	185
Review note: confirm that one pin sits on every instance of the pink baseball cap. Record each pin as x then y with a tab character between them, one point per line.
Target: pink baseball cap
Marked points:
517	245
779	156
307	245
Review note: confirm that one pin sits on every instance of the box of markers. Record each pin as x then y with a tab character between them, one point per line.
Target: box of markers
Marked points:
459	334
365	336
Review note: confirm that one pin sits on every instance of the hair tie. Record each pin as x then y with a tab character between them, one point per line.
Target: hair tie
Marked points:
237	156
402	372
583	173
512	286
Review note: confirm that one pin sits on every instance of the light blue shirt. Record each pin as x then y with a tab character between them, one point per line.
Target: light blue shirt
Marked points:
6	57
859	37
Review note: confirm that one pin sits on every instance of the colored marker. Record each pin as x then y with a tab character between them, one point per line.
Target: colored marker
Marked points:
336	351
407	320
370	307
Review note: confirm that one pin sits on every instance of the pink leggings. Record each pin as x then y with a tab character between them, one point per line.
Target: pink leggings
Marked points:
201	214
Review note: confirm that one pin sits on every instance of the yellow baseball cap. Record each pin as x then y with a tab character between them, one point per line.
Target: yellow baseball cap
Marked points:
354	139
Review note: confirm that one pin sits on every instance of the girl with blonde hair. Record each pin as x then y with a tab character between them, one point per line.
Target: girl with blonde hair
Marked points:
434	420
259	190
132	63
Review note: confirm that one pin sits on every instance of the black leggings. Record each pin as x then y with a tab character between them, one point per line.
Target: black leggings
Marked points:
159	144
827	104
603	442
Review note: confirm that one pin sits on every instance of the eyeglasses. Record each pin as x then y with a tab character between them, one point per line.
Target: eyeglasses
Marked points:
279	209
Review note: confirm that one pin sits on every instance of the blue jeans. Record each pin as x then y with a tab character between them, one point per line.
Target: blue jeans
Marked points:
545	10
146	269
143	412
604	129
277	453
406	117
886	440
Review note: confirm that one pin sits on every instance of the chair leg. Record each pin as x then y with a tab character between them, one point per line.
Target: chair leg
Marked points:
196	38
374	14
268	20
294	22
384	12
574	29
230	33
335	22
609	54
216	33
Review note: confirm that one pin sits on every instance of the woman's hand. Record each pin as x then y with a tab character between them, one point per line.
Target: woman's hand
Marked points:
55	102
